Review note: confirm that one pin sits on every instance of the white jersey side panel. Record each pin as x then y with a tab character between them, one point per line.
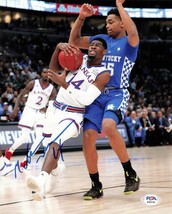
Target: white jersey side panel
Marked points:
39	97
81	80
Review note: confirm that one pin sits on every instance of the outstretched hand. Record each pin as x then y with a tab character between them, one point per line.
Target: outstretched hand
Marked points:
86	10
119	2
58	78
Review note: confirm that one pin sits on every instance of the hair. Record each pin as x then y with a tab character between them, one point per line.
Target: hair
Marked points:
113	11
101	40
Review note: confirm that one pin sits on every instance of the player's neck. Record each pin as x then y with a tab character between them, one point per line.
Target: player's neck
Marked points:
93	62
44	83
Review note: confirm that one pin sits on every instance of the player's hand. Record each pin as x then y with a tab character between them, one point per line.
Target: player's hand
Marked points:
86	10
58	78
13	115
43	110
69	49
119	2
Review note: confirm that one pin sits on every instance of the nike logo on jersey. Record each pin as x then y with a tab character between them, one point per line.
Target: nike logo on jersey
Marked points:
117	95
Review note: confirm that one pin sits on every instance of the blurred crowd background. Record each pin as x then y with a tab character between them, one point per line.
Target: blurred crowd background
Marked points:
26	45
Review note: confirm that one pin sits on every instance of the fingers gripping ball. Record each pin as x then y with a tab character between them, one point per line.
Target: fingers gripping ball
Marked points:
71	62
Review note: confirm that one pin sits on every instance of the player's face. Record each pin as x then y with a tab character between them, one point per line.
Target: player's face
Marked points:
44	74
114	25
96	49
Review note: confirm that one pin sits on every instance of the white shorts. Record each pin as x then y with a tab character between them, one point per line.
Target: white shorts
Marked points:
61	125
31	118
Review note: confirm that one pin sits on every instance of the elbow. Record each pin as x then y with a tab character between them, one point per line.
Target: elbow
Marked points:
87	102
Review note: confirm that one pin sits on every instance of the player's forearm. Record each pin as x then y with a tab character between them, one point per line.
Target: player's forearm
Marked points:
75	33
128	23
17	103
54	64
84	97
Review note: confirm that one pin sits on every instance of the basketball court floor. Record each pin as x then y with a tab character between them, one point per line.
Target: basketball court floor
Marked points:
153	165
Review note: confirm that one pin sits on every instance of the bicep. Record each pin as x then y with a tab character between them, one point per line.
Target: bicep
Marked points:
133	39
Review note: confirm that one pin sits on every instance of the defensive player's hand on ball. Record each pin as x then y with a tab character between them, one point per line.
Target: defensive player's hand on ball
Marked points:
58	78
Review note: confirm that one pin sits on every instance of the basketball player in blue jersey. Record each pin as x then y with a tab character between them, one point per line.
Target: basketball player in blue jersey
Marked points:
108	110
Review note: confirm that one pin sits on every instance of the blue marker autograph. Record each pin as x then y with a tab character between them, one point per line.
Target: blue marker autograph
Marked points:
45	148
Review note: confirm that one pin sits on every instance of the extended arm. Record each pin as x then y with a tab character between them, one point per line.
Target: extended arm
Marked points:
83	97
75	34
128	23
93	91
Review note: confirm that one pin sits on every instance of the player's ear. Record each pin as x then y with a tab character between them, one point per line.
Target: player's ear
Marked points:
104	51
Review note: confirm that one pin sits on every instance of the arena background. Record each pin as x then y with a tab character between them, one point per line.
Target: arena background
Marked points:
34	28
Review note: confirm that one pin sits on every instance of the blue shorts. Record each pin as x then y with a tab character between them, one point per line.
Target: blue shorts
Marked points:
106	106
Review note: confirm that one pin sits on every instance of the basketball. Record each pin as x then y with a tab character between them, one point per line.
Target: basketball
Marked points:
71	62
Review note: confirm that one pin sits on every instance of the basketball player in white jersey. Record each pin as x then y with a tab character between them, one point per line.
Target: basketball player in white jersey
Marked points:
40	93
78	89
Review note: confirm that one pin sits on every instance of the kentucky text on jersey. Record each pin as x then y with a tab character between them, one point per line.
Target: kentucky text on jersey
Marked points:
112	58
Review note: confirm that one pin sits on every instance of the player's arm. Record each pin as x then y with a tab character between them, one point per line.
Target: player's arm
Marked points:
49	106
83	97
25	91
75	38
67	48
53	94
93	91
128	23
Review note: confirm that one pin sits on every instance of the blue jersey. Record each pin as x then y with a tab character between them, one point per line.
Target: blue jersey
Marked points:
119	59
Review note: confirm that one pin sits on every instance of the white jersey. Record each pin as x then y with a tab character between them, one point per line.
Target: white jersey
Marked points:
39	97
80	79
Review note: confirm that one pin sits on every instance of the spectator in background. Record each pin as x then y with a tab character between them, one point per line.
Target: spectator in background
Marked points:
161	126
5	112
8	94
168	117
148	129
135	128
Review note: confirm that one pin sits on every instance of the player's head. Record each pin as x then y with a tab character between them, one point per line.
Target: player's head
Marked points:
114	11
114	24
97	50
44	75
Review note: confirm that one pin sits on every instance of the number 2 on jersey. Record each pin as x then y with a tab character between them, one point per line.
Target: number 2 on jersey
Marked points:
39	100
